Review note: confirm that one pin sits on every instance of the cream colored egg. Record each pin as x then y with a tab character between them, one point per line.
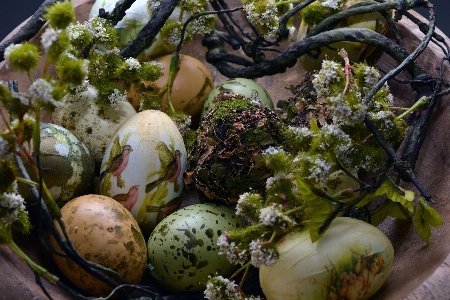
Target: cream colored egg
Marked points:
92	122
351	260
143	167
192	84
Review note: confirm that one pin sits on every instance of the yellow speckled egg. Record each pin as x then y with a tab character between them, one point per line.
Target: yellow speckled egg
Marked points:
67	165
192	84
104	232
93	122
143	167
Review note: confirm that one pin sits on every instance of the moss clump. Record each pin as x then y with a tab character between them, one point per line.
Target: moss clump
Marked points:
227	154
315	13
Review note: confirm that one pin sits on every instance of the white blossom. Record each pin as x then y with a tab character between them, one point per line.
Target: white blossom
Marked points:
273	150
266	20
11	204
220	288
332	3
49	36
116	97
231	251
7	53
41	91
261	254
74	31
132	63
273	215
96	27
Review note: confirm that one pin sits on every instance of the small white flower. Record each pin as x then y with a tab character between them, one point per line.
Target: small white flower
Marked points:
97	28
74	31
49	36
273	150
273	215
7	53
332	3
183	124
220	288
41	91
262	255
12	204
116	97
132	63
269	215
231	251
152	6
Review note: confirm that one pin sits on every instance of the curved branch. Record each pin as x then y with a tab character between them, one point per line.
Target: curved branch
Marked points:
29	30
117	14
146	36
288	58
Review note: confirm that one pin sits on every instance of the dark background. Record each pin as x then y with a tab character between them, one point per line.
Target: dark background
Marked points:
13	12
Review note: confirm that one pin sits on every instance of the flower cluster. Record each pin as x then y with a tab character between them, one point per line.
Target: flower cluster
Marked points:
263	15
11	206
220	288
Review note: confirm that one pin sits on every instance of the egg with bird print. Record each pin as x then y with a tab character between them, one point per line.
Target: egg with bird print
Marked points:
143	167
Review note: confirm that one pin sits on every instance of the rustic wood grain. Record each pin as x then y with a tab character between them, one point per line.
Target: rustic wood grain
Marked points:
420	271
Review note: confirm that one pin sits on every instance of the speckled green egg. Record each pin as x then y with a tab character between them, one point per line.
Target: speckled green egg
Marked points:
243	86
67	165
183	251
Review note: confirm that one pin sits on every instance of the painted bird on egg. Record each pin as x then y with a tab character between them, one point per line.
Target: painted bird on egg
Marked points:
129	199
118	161
170	167
151	182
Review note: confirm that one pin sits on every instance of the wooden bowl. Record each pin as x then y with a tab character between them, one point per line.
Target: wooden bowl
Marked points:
420	271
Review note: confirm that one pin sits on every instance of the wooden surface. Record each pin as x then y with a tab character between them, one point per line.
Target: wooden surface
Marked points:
420	271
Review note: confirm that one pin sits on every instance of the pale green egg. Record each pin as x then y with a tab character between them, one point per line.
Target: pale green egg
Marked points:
243	86
183	250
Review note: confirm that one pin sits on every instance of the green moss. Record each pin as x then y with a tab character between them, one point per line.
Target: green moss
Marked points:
239	184
314	13
223	108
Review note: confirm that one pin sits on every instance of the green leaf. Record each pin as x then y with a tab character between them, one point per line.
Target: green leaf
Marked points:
394	193
388	208
424	218
324	210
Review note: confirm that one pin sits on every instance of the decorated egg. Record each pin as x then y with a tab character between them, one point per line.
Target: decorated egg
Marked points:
143	167
93	122
191	86
67	165
351	260
247	87
104	232
183	250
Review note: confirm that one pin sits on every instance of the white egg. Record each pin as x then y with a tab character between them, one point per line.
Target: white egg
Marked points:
92	122
143	167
